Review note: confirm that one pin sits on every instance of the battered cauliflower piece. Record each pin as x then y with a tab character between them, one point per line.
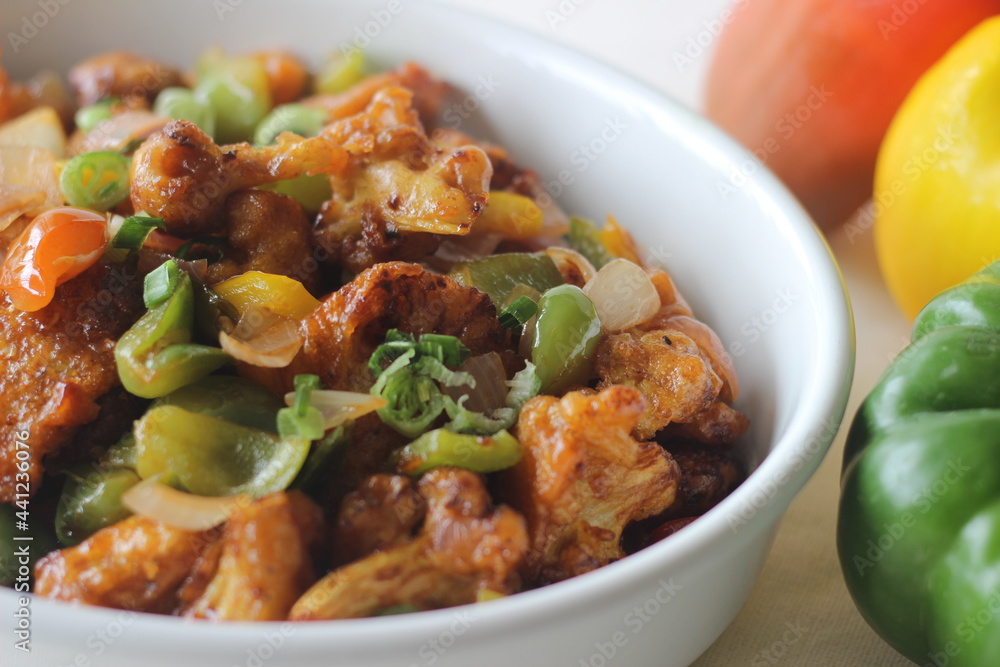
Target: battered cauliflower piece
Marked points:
465	547
343	332
264	563
136	564
382	513
385	171
583	479
58	363
181	175
121	74
268	232
400	190
669	369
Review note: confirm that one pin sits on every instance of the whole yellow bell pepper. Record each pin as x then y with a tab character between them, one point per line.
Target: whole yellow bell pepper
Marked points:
937	181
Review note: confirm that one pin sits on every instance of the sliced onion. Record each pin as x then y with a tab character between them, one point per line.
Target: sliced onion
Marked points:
467	248
623	295
119	131
39	128
16	201
576	269
153	500
709	343
31	175
262	338
491	388
340	407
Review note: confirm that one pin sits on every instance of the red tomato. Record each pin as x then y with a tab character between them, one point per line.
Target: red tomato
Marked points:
58	245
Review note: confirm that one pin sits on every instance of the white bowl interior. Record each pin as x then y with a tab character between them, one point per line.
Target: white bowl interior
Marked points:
745	256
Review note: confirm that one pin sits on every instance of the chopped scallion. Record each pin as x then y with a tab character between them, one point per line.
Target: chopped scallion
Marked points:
160	284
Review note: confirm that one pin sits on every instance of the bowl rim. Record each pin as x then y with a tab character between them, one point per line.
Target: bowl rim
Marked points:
800	449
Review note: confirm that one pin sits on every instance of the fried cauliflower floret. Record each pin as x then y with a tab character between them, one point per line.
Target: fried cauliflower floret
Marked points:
583	479
181	175
465	546
708	474
264	563
58	363
384	512
269	232
400	189
343	332
120	74
135	564
669	369
383	166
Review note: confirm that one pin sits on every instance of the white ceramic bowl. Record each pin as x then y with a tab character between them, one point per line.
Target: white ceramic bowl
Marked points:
746	256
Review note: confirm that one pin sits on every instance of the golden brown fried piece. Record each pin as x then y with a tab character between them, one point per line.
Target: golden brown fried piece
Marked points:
669	369
382	513
386	172
341	335
400	189
428	94
343	332
44	89
120	74
718	425
708	474
264	563
135	564
57	362
268	232
181	175
583	479
465	547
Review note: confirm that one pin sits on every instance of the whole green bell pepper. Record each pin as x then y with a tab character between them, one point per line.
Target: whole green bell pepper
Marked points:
918	531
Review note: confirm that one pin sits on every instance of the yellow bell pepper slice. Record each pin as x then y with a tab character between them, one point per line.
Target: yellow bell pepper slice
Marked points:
619	242
511	215
279	294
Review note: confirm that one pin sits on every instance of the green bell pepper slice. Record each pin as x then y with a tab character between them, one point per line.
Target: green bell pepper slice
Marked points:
156	355
567	334
210	456
441	447
91	500
918	531
498	275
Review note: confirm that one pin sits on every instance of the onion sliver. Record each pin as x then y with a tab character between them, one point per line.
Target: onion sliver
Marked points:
339	407
491	387
31	180
119	131
575	267
153	500
623	295
262	338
